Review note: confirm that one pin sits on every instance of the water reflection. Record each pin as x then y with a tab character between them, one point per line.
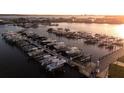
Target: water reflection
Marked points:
119	31
107	29
15	64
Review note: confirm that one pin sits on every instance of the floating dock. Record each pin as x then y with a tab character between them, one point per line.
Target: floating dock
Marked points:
108	42
49	53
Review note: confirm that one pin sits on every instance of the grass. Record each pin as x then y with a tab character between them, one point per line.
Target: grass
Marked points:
116	71
121	59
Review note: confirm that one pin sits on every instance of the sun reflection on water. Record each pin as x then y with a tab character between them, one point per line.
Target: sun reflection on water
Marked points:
119	31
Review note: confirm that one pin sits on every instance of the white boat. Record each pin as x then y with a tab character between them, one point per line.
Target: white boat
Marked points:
73	51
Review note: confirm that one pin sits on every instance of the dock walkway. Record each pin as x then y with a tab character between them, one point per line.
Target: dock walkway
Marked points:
105	61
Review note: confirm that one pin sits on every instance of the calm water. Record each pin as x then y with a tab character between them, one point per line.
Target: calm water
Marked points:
108	29
97	52
46	16
13	62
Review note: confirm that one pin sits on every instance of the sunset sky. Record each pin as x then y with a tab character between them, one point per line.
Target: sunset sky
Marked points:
76	7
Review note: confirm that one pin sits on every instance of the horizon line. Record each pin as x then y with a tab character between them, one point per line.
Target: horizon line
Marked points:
63	14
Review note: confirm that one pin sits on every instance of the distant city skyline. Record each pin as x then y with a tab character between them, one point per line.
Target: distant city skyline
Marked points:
62	7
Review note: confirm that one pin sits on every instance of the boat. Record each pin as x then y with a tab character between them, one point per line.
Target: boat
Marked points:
110	47
53	24
35	52
56	63
45	42
91	41
73	51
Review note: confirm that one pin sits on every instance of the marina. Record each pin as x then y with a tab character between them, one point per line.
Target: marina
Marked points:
53	54
62	46
51	59
109	42
14	62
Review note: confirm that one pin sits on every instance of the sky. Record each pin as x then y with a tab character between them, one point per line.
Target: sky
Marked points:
73	7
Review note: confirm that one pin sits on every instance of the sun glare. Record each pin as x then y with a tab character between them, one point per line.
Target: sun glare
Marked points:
120	31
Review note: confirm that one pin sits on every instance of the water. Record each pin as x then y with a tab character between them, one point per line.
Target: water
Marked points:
107	29
93	50
14	63
46	16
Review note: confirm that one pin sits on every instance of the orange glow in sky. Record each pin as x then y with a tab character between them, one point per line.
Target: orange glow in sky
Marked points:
76	7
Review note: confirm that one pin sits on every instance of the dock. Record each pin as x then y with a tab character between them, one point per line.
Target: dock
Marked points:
106	60
36	48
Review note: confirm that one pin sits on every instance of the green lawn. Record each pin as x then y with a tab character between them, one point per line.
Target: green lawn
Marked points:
116	71
121	59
